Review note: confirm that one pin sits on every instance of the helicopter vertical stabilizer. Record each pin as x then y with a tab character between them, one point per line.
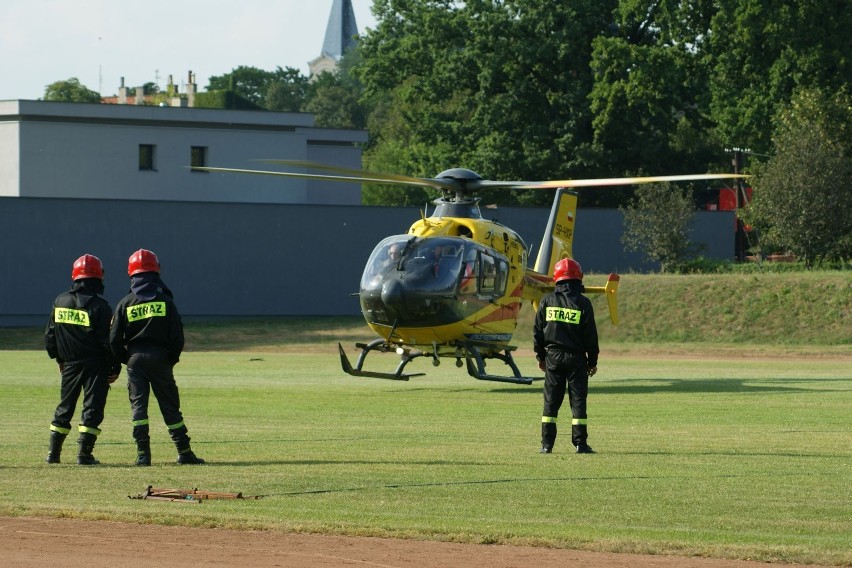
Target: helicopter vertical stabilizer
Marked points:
610	289
558	239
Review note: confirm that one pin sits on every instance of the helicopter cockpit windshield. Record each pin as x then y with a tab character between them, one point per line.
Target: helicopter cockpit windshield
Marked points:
420	279
424	265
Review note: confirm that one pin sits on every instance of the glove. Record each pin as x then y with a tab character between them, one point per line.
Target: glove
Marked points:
592	371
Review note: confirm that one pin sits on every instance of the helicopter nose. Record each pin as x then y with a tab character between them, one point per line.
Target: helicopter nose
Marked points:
392	296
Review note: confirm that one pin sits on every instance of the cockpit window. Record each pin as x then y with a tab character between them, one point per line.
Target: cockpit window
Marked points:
489	275
433	264
386	257
483	274
437	265
470	273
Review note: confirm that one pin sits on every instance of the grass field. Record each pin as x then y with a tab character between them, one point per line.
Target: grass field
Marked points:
727	457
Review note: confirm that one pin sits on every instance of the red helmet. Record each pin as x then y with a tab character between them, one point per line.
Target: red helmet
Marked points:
142	261
567	269
87	266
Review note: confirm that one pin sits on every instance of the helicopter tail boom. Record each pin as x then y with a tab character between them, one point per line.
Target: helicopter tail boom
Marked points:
536	285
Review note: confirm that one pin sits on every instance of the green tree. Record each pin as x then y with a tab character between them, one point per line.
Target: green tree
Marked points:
656	223
149	88
762	51
395	150
250	83
287	93
498	87
535	89
70	91
649	96
333	105
335	98
286	86
802	201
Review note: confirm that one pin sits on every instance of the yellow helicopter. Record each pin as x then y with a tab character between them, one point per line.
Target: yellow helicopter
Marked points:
454	284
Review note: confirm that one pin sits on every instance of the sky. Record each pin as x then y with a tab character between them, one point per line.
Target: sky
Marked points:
101	41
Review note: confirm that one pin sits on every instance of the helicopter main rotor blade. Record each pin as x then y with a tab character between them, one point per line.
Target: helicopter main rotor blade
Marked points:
460	180
476	185
621	181
357	179
367	176
442	183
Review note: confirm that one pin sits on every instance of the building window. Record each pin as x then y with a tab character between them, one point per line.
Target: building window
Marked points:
198	158
146	157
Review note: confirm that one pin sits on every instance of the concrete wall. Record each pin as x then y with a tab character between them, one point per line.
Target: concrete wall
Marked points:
244	259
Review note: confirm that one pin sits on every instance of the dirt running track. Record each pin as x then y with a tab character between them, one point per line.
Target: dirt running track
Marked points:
70	543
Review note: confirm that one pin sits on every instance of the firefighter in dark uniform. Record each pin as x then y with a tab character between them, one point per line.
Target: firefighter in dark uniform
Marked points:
77	335
147	336
565	340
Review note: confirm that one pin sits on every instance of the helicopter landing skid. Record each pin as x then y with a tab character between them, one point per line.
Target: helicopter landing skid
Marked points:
476	367
380	345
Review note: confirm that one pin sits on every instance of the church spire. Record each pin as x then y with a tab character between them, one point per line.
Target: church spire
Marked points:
341	30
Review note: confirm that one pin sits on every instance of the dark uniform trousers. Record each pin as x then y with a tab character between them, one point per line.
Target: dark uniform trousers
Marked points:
149	369
565	371
90	378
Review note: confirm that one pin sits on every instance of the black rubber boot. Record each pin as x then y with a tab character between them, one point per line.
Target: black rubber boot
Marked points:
180	437
55	449
86	443
185	454
143	453
579	435
548	437
188	457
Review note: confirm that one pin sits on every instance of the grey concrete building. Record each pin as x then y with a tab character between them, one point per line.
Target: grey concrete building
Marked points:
97	151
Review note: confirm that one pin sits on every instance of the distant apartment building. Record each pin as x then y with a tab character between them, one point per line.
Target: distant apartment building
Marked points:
170	97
